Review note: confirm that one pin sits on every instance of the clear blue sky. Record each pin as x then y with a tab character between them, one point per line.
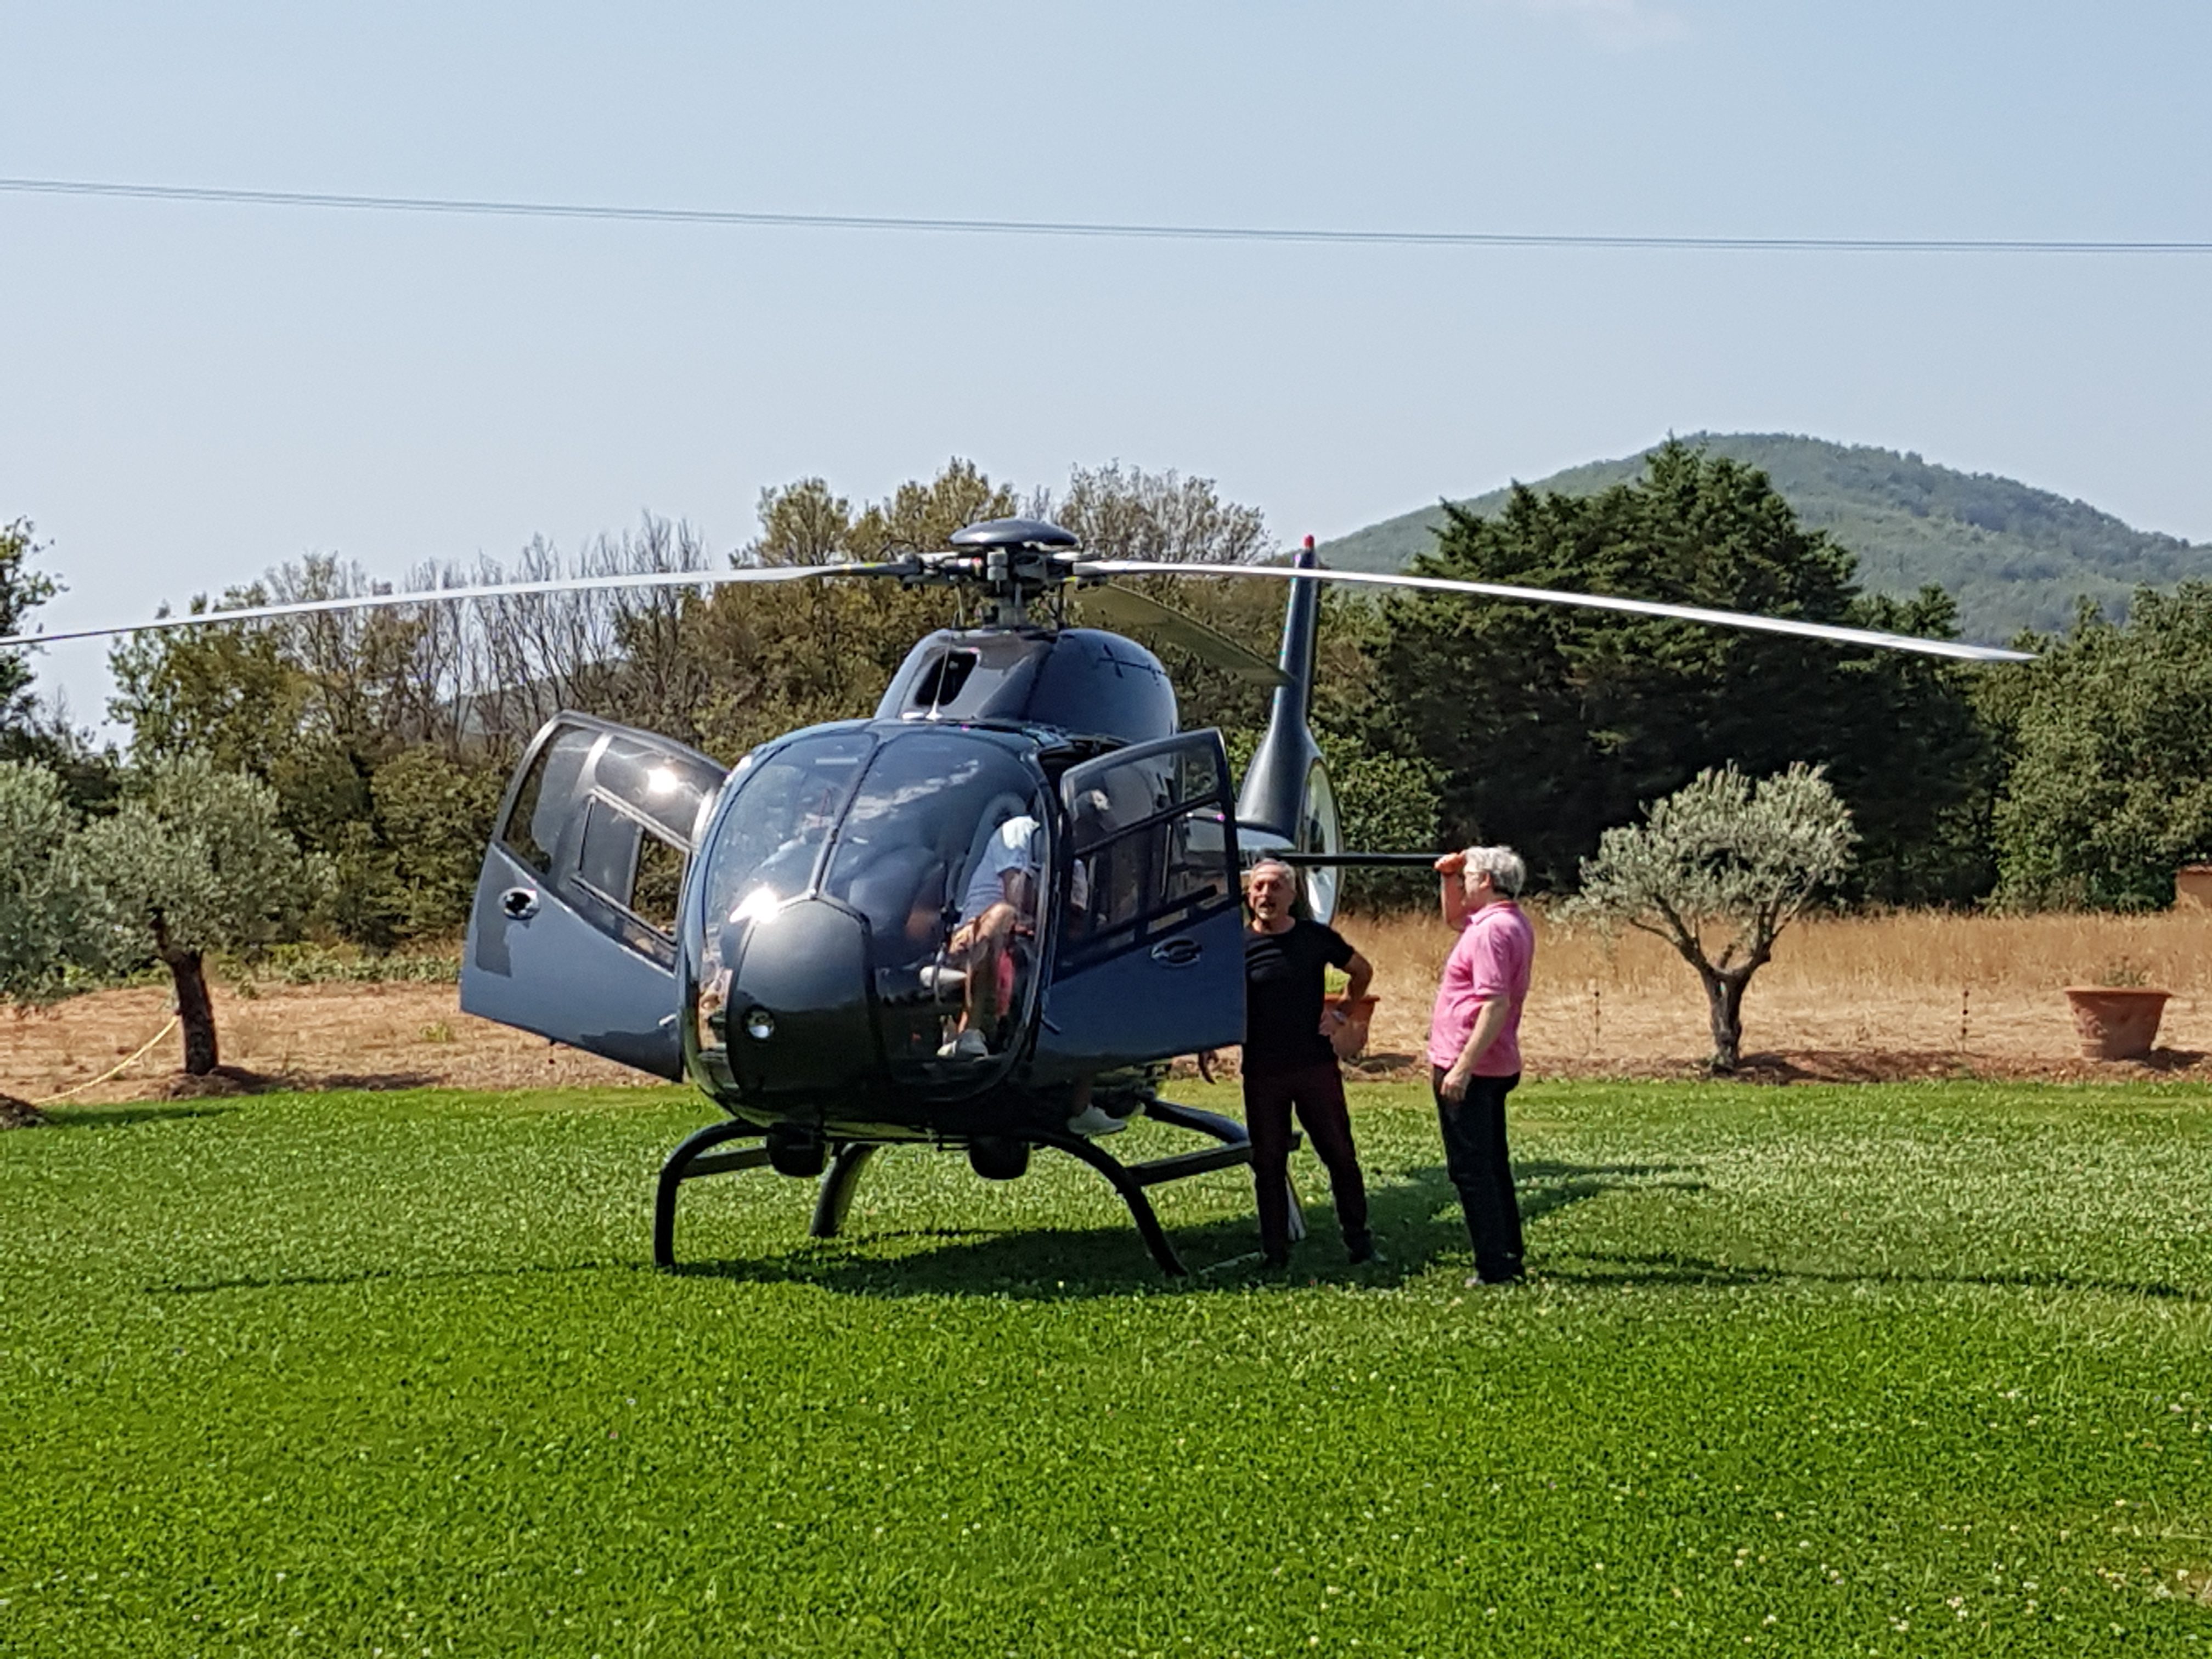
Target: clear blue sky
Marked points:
193	394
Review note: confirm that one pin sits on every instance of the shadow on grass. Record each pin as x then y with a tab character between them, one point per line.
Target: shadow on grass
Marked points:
1415	1217
1627	1268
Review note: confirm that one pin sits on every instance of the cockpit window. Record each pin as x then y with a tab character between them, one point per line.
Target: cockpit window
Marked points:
925	829
768	842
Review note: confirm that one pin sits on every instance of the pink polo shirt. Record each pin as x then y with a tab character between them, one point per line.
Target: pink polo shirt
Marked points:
1489	964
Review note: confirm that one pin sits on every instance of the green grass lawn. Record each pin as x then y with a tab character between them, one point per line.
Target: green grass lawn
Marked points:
1901	1370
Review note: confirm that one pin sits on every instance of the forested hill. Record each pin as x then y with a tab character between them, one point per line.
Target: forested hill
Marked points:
2012	557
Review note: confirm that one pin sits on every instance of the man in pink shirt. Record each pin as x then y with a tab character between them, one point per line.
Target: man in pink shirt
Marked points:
1474	1047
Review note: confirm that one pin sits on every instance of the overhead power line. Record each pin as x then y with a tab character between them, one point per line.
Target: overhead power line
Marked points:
1101	230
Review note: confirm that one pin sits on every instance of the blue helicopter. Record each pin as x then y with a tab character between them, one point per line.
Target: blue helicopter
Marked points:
985	917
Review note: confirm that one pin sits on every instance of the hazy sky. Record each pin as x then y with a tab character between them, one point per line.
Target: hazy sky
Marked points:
191	393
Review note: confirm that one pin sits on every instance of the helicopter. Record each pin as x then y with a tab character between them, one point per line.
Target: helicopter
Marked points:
984	917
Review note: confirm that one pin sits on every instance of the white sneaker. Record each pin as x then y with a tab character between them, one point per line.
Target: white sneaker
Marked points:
1095	1120
969	1045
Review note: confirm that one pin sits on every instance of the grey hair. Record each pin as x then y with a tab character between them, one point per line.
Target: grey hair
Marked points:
1264	864
1507	874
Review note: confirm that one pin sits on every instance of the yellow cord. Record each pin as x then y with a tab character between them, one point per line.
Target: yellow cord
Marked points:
118	1071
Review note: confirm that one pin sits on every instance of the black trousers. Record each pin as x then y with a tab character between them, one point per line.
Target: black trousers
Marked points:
1475	1158
1317	1092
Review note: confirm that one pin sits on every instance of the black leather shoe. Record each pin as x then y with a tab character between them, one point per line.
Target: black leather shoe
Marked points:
1361	1249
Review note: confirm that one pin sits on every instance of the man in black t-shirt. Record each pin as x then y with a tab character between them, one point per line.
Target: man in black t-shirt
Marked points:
1289	1063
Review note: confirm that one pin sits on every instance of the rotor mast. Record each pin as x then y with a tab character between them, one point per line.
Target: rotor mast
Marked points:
1016	560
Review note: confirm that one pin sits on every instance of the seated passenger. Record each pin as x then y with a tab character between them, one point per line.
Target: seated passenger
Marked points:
999	905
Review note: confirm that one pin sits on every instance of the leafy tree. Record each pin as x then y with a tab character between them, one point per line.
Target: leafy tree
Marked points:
46	923
776	658
1387	803
31	730
197	859
2110	786
435	816
1126	512
22	590
1718	869
1553	723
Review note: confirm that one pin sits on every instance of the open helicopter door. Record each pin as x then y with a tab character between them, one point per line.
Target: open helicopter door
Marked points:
572	933
1151	959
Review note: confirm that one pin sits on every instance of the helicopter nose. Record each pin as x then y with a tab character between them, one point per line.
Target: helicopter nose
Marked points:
799	1019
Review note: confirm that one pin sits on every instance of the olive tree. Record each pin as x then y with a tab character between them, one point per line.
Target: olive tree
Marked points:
1718	869
45	926
196	860
44	920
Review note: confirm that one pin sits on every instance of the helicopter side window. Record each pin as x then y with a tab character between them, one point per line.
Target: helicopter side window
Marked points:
542	804
630	865
1151	838
670	796
941	681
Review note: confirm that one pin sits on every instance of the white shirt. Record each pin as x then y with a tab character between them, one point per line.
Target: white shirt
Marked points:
1012	846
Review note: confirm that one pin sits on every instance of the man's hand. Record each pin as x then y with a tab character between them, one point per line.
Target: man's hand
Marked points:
1454	1086
1206	1064
1452	864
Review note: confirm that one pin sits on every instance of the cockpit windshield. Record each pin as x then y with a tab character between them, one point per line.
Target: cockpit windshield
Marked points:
768	843
936	839
924	823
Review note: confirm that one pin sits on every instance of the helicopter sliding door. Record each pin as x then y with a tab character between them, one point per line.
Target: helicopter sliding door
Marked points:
1151	960
572	933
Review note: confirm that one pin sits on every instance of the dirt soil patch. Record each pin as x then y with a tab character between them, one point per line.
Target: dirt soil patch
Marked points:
1856	999
294	1036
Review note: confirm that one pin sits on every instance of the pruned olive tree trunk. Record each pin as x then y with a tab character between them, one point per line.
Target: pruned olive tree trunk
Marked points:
1724	988
195	1008
1718	869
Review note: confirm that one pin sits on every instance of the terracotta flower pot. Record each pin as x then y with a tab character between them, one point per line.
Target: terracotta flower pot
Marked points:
1350	1038
2116	1022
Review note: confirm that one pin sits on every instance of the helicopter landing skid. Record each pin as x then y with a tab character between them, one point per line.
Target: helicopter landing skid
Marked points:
696	1157
1130	1180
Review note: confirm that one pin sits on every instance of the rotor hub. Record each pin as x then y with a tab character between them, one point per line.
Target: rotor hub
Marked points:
1014	559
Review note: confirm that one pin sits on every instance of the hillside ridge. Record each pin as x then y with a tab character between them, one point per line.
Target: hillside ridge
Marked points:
2014	557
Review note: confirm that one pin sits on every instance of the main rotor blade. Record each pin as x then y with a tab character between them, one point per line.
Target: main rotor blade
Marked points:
1126	606
777	573
1377	861
1589	601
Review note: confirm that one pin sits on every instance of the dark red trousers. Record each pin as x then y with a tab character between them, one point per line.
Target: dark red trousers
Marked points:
1315	1093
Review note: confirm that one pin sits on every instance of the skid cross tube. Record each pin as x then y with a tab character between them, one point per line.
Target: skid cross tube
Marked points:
838	1183
1227	1129
690	1160
697	1156
1130	1180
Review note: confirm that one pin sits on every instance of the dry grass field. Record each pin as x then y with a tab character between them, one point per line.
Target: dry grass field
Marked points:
1909	994
1904	994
